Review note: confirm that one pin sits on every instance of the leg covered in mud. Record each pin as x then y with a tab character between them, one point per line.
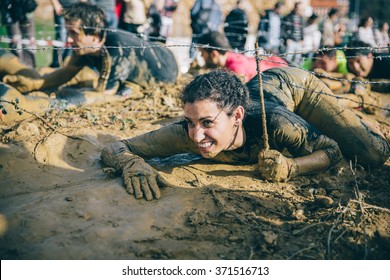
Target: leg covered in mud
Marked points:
355	137
354	92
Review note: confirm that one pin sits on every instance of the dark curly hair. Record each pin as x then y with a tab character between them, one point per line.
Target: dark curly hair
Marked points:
358	48
328	51
93	20
214	39
223	87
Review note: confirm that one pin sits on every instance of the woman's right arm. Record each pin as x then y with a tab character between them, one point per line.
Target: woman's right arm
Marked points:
312	151
127	157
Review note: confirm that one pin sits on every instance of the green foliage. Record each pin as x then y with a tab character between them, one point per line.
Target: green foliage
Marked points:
16	106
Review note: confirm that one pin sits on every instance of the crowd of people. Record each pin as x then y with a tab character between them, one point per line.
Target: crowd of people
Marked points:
221	107
152	18
279	30
294	32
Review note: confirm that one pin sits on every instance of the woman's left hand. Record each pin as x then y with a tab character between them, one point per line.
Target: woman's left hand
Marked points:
276	167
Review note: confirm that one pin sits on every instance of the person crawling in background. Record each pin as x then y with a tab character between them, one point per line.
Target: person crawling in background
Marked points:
222	123
119	58
217	55
331	66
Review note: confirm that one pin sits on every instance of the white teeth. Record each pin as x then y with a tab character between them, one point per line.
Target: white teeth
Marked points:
205	145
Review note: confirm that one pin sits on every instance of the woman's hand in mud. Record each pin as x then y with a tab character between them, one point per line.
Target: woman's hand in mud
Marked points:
141	179
276	167
22	83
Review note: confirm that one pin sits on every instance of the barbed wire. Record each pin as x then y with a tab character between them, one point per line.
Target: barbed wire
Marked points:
55	44
59	45
238	24
48	45
342	57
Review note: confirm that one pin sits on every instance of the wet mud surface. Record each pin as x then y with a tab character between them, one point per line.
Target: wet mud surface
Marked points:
57	203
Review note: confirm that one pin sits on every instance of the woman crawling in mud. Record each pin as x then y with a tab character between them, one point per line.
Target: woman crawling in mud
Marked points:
222	122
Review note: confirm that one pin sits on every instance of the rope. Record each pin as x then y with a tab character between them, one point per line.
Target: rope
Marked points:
260	81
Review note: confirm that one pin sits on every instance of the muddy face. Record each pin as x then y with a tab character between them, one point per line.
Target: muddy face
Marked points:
211	128
326	63
80	42
210	59
360	66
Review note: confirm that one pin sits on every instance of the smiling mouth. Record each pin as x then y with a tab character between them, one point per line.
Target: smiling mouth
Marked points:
205	146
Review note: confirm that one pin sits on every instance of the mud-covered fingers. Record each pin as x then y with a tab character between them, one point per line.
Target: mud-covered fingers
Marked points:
270	169
270	163
265	161
144	183
129	188
153	183
270	155
9	79
265	155
319	70
263	164
135	181
128	184
139	186
19	82
349	76
270	160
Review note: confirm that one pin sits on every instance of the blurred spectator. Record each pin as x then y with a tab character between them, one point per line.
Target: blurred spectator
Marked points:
118	10
133	15
292	33
382	35
153	28
341	36
311	35
60	54
365	31
166	8
206	16
328	28
269	29
17	17
236	27
108	6
218	55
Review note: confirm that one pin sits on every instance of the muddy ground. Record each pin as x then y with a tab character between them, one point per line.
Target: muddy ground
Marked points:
57	203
